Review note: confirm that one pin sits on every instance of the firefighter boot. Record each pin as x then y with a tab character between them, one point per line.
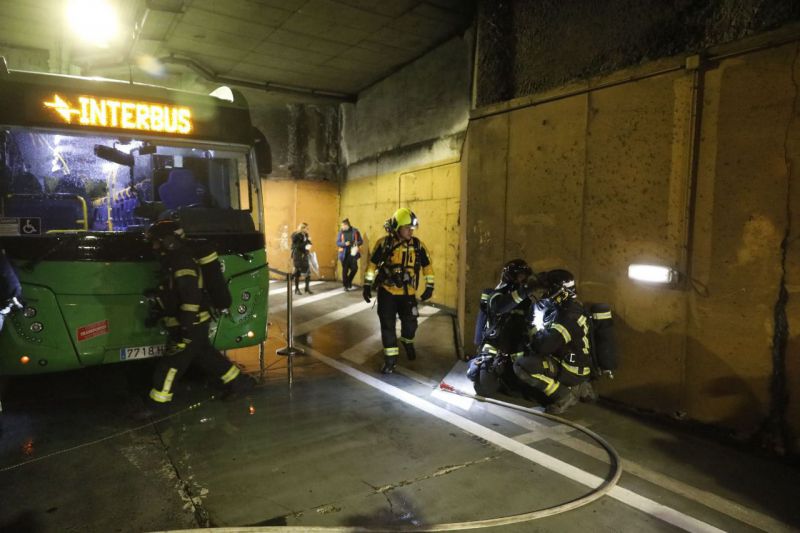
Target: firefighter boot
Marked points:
585	392
408	346
239	387
388	365
564	400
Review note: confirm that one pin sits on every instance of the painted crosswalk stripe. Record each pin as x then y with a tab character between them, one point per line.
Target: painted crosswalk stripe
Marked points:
282	290
305	300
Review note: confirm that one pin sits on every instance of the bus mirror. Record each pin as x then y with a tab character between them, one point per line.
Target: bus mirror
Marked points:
112	154
262	151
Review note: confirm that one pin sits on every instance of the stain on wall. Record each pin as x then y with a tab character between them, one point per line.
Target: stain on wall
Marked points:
597	180
526	47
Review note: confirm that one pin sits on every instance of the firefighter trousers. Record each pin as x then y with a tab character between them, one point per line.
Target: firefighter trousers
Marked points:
181	354
551	375
391	306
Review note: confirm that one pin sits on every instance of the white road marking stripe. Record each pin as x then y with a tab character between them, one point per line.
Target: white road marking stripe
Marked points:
283	289
718	503
539	431
305	300
651	507
333	316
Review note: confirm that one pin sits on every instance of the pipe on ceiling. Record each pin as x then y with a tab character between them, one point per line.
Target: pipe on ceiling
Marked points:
268	86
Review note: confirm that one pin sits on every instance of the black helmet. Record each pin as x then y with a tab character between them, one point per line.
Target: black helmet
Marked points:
164	228
514	270
560	284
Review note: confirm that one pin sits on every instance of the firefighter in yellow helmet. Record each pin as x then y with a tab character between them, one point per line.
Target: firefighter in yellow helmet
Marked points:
396	265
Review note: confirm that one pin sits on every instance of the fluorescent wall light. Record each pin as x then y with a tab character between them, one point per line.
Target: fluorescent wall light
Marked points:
651	273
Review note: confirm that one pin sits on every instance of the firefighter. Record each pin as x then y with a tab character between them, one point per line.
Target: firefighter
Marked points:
348	242
186	316
501	333
301	247
394	268
559	363
10	288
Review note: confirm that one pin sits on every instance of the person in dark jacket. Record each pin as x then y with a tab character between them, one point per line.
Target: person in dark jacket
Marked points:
301	247
349	242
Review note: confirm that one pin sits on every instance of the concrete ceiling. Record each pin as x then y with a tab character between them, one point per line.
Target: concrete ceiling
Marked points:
295	49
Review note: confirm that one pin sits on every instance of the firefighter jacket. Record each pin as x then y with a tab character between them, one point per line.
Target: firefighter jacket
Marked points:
567	338
354	237
508	317
185	302
397	265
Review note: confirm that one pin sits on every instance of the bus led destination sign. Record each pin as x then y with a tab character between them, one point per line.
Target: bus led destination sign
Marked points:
125	114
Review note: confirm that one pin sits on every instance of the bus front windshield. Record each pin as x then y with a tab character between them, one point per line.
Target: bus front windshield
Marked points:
112	184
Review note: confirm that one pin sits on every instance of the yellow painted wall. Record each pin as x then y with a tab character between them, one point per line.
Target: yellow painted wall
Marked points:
599	179
433	193
287	203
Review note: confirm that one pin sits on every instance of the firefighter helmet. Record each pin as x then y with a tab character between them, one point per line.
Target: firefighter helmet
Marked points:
560	285
403	217
164	228
516	272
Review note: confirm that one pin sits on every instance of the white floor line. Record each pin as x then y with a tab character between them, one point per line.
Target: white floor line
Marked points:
709	499
538	431
300	301
651	507
282	290
333	316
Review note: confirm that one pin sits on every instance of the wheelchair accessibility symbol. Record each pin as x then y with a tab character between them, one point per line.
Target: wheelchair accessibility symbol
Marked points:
30	226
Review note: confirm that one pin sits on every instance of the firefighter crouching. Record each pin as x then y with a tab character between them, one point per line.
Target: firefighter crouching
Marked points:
559	361
186	315
501	332
394	268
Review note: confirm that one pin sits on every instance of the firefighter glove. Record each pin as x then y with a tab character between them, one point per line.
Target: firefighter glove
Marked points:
427	294
367	293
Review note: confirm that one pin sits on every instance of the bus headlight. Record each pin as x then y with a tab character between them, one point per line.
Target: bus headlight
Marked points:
29	312
245	296
36	327
242	309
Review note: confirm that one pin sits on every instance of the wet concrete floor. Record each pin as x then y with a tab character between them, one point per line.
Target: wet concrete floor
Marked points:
345	446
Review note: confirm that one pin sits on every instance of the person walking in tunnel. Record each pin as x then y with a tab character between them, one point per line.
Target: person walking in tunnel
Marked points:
186	315
301	248
349	241
559	362
501	332
395	265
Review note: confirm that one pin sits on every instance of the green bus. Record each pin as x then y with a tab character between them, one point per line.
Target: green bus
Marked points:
86	166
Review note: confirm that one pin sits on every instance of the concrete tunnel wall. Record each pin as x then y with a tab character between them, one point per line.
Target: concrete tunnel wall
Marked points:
596	179
402	143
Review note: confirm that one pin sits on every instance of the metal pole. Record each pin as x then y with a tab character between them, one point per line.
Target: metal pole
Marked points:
261	365
289	350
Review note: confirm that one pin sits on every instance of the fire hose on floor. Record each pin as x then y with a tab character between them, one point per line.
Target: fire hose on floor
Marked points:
586	499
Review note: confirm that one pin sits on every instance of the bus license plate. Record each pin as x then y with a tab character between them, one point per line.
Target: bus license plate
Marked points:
141	352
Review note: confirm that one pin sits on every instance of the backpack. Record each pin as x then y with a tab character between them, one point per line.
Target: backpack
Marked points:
214	282
603	344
